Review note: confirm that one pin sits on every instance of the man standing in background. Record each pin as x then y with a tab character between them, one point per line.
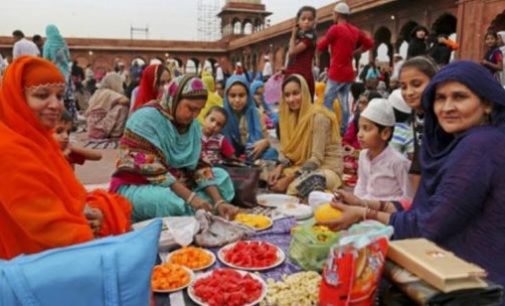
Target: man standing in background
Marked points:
344	40
23	46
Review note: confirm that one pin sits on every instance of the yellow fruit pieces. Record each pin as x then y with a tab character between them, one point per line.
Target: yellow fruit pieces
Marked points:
191	257
322	232
301	289
169	276
326	213
257	221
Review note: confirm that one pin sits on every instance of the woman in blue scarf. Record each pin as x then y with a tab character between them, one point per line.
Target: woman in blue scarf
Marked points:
244	128
56	51
460	203
161	169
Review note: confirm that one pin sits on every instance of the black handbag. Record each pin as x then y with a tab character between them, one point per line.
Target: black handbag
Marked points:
245	178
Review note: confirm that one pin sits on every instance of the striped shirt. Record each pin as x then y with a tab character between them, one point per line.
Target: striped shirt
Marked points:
403	138
216	148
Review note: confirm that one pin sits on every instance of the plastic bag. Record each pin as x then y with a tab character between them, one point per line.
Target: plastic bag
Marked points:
354	266
310	245
175	232
273	89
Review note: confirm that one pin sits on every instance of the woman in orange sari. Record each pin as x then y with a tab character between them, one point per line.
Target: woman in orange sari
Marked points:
42	204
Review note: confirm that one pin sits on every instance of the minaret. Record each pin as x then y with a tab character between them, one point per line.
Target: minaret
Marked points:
242	17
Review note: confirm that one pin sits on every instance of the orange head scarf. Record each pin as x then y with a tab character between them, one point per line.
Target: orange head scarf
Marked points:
41	201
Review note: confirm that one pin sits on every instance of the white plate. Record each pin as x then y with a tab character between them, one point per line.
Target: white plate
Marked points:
198	301
191	279
275	199
213	260
299	211
280	258
258	229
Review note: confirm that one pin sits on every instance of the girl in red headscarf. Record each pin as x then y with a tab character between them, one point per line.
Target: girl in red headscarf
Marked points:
152	81
42	204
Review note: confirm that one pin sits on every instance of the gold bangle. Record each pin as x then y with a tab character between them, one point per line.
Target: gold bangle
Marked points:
216	205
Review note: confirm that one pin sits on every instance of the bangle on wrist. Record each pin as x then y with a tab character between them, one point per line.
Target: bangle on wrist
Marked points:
371	214
216	205
191	197
365	204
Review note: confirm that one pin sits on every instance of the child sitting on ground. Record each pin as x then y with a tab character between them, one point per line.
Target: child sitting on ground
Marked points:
382	171
257	89
74	155
215	146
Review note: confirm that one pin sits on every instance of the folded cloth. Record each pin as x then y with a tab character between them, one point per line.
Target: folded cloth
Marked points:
422	293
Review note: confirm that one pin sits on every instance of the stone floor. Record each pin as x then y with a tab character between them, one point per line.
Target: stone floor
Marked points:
95	172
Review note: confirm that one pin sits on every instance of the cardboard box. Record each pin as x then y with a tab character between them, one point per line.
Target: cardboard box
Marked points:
438	267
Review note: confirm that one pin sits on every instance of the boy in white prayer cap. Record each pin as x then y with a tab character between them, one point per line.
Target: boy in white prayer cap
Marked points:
382	170
403	136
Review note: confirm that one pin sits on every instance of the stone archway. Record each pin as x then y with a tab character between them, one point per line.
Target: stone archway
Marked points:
258	25
156	60
247	27
498	23
383	44
236	26
254	63
209	65
324	60
139	60
82	61
405	33
192	65
177	60
445	24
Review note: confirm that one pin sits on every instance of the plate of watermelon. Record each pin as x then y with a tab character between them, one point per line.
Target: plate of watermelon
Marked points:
251	255
224	286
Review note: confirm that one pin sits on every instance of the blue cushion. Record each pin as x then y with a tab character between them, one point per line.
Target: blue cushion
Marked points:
110	271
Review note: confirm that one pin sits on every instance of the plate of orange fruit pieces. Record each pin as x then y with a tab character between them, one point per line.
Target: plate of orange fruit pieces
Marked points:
169	277
194	258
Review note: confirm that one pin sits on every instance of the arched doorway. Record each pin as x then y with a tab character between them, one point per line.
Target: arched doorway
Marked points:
82	61
383	44
254	63
445	24
324	60
405	34
403	49
192	65
177	61
498	23
138	60
237	26
156	61
209	65
258	26
248	27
